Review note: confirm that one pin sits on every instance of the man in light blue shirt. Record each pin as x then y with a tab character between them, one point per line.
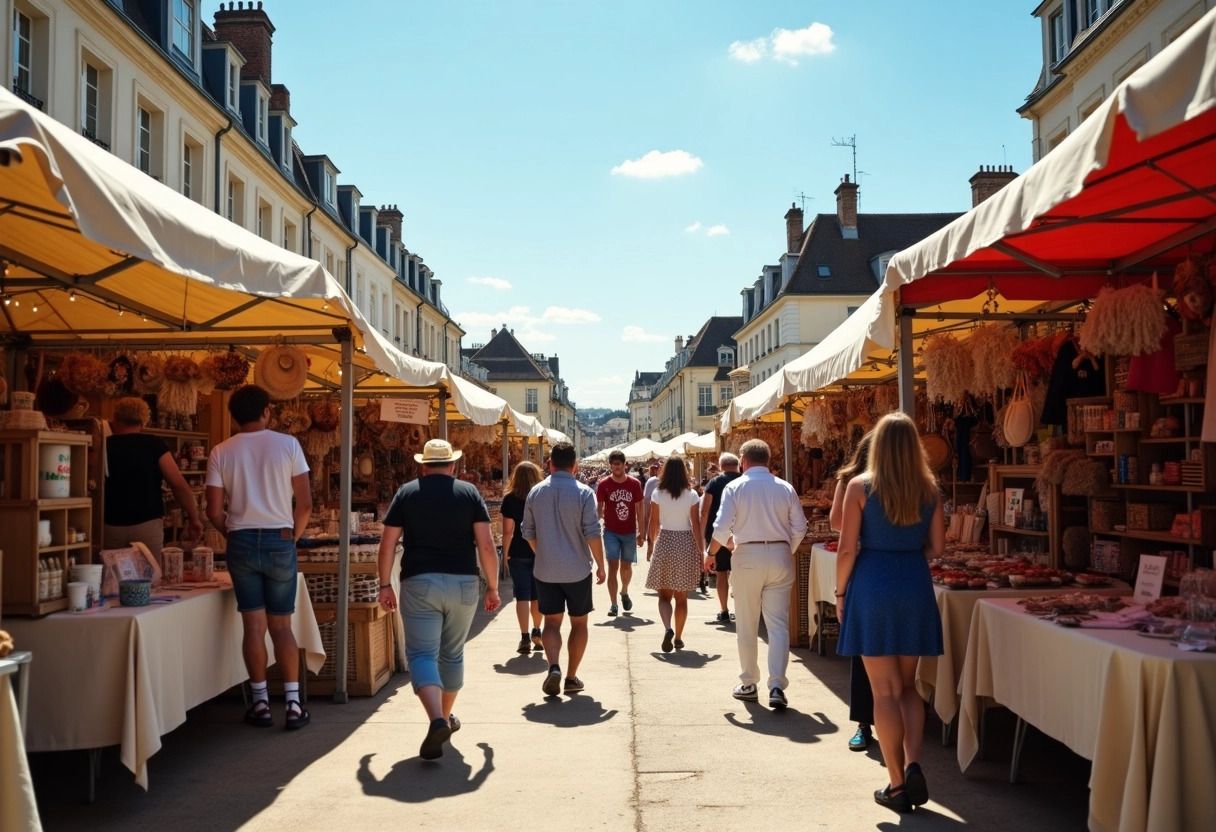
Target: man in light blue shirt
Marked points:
765	516
562	526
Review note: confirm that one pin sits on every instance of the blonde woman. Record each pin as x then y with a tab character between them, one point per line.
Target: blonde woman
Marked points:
675	541
891	523
519	555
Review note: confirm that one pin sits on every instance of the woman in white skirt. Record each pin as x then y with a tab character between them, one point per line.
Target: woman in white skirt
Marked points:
673	546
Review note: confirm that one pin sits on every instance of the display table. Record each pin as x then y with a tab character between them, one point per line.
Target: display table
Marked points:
18	808
937	677
821	587
127	675
1142	710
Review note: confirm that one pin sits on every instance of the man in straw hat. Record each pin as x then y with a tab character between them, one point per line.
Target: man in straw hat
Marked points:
562	526
259	472
444	528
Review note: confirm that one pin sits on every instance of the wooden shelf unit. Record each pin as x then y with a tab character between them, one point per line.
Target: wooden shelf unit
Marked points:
1023	476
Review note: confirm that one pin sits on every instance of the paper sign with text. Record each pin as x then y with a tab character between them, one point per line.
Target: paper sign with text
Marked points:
1150	578
1013	505
409	411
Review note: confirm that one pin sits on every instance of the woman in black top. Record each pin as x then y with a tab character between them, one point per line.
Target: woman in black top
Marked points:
136	464
519	555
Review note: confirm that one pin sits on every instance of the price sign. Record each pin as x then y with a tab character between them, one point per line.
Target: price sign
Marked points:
408	411
1150	578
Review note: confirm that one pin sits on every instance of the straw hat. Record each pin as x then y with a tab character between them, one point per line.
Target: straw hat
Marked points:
149	374
437	451
281	372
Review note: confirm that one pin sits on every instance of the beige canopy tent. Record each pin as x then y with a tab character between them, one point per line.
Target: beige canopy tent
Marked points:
94	253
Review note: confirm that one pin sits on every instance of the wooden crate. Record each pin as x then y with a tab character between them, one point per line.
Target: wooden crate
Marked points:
369	650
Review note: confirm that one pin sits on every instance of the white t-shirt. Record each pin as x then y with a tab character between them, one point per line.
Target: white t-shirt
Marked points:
673	511
255	471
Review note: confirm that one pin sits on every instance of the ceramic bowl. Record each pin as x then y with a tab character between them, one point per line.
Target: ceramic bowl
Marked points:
134	593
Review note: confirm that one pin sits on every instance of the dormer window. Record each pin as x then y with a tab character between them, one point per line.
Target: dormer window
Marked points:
234	84
328	187
824	271
726	357
1059	42
263	118
183	27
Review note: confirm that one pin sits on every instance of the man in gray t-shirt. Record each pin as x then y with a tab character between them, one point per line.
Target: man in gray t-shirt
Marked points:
562	526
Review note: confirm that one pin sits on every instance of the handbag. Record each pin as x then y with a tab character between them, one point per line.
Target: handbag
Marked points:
1019	415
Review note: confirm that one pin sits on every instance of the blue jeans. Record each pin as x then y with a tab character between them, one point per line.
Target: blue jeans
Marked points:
437	609
262	563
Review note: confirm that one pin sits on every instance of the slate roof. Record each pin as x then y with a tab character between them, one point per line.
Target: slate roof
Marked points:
505	359
849	260
716	332
644	379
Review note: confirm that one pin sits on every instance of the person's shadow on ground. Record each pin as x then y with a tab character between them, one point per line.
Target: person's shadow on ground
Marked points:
790	723
687	658
567	712
415	780
523	665
626	623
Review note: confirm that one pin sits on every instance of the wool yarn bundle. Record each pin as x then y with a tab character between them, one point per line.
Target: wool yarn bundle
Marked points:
1129	321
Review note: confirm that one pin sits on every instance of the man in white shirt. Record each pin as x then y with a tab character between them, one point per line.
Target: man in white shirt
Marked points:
765	516
260	472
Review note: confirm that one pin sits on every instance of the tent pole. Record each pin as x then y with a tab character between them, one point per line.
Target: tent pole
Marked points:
443	414
346	462
788	437
506	456
907	371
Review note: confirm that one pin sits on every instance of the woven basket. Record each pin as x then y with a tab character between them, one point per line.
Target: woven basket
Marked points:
1190	351
1104	515
329	640
1149	517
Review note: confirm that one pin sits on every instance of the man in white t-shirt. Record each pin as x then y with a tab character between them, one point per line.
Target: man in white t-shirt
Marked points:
260	472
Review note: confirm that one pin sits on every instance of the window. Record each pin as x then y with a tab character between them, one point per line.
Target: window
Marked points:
776	336
359	290
824	270
371	308
143	153
725	393
23	52
327	187
530	400
262	119
234	83
263	220
849	310
89	98
235	210
1059	41
384	311
705	400
1093	10
329	262
187	171
289	236
726	358
183	27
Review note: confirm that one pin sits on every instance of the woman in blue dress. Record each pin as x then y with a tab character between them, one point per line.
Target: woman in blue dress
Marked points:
892	524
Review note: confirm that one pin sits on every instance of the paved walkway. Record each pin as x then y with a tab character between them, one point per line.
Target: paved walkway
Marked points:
655	743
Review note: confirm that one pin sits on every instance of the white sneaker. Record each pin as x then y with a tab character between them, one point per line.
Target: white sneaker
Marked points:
745	692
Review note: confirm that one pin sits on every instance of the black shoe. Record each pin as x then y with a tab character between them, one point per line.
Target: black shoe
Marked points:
525	645
723	617
914	783
258	714
667	640
537	643
552	685
777	700
895	799
626	602
573	685
679	644
860	741
432	746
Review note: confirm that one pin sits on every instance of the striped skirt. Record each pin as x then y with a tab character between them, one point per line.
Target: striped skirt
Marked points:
675	563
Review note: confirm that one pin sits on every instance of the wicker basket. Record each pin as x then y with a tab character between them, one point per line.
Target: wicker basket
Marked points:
1104	515
323	588
1190	351
1149	516
369	652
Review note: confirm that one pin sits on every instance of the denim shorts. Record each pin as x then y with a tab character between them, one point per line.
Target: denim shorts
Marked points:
262	563
437	609
620	547
522	581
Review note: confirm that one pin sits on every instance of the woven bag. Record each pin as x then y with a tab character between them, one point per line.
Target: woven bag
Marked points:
1019	416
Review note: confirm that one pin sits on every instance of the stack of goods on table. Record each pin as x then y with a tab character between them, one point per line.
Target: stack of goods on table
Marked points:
962	570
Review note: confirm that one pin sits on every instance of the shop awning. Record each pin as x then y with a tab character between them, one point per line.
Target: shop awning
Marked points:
706	443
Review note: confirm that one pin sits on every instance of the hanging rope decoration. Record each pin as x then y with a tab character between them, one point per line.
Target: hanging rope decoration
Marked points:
815	421
949	369
1128	321
991	345
1036	356
324	434
179	394
83	373
226	370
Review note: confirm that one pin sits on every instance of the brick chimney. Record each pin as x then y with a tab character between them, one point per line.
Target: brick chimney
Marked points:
989	180
248	29
679	343
391	217
280	98
793	229
846	208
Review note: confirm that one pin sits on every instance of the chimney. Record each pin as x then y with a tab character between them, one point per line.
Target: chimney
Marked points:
793	229
846	208
988	180
391	217
280	98
679	343
250	31
493	333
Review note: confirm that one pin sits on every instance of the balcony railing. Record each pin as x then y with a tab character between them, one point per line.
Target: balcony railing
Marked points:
706	410
91	136
26	96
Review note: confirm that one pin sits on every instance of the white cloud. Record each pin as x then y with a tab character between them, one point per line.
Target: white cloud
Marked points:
717	230
749	51
786	45
636	333
562	315
815	39
659	165
694	228
492	282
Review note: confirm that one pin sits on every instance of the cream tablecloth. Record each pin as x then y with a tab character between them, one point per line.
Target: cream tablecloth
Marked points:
937	677
821	586
1143	711
127	675
18	808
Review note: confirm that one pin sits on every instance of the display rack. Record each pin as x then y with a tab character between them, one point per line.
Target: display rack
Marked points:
1047	541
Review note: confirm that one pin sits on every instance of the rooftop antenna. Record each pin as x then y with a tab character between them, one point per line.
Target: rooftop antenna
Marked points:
801	197
851	141
860	174
1004	156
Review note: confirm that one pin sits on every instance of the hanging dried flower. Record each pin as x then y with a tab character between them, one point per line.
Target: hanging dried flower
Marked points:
1129	321
991	345
949	369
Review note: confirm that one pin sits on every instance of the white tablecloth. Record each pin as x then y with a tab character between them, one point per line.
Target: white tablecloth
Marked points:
127	675
822	583
1143	711
18	809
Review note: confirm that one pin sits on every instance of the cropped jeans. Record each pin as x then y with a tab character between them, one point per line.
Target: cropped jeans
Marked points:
437	610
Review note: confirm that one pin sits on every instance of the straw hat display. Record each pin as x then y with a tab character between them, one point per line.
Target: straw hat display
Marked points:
281	371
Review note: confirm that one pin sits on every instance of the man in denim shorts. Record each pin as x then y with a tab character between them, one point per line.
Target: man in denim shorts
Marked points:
562	527
259	472
620	507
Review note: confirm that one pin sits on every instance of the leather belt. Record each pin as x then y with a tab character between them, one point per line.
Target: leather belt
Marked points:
762	542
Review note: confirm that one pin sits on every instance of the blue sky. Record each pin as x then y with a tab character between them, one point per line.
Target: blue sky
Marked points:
602	177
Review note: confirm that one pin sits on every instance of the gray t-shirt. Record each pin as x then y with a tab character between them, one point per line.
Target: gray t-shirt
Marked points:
560	515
